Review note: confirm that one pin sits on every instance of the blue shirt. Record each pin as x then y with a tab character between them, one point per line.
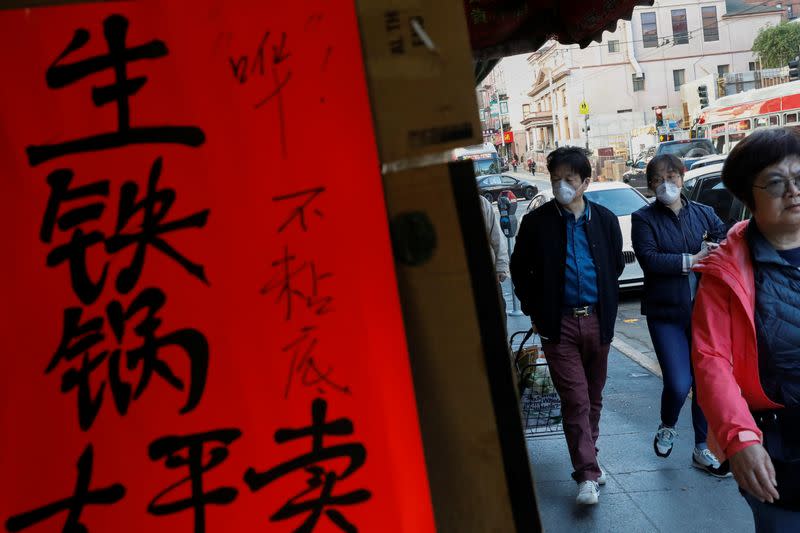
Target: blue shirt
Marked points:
580	276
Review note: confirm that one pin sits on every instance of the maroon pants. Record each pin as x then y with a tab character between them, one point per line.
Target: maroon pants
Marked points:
578	366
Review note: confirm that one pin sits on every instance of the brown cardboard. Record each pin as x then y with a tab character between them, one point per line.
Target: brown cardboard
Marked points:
423	100
474	486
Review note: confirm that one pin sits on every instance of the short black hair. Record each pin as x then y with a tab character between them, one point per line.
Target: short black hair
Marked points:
572	157
753	154
669	161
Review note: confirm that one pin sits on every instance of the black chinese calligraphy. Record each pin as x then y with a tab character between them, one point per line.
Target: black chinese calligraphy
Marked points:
188	451
81	338
301	200
304	364
288	288
246	66
76	250
74	505
60	75
154	207
321	480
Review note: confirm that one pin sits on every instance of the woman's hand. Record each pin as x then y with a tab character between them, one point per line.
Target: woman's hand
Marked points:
752	468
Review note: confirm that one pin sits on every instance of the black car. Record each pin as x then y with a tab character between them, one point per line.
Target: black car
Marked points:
705	186
492	185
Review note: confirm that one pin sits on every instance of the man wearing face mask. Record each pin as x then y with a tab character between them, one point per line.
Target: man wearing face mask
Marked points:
669	237
565	266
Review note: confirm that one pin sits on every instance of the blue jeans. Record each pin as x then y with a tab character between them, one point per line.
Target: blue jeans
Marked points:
672	343
772	519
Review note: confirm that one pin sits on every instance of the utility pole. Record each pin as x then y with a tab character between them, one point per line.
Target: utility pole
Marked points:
553	106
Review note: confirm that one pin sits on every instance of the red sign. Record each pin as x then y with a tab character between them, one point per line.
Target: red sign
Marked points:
508	137
201	329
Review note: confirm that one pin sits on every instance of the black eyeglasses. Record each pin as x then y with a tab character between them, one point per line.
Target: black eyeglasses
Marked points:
777	187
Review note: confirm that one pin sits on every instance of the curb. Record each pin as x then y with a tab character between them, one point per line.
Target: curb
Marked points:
637	357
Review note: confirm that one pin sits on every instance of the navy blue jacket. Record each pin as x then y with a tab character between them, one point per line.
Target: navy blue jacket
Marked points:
660	238
537	266
777	318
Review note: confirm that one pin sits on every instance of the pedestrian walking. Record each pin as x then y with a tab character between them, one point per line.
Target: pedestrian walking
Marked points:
498	247
746	331
531	166
565	266
669	237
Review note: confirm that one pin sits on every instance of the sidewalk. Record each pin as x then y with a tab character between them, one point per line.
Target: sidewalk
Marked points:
644	493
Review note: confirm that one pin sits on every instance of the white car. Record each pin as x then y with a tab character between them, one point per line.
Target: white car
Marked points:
622	200
708	160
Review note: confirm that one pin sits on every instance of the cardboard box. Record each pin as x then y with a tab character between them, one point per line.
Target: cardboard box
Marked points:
423	99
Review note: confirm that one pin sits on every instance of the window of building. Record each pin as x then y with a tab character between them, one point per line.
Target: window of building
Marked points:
710	27
680	33
504	107
526	109
723	69
613	46
638	82
649	30
678	78
790	12
564	98
751	66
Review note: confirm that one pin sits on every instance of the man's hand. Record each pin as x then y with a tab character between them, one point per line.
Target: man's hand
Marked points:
752	468
502	276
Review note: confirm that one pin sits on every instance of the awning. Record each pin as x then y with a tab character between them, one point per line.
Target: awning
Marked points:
501	28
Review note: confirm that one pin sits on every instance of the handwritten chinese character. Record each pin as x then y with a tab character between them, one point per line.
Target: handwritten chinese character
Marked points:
321	480
79	338
199	460
74	504
59	75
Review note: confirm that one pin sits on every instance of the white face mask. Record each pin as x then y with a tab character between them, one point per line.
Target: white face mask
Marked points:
564	193
667	193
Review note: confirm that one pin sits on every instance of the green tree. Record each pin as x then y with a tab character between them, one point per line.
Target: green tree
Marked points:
776	45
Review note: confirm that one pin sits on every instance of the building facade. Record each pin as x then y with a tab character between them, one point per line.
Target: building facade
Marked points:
635	69
501	97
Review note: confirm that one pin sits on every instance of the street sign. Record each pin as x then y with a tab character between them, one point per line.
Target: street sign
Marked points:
584	108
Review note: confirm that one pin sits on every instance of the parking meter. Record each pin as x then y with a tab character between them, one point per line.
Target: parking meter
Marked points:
509	225
505	204
508	219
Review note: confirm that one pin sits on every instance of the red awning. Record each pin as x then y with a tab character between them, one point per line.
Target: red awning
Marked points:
501	28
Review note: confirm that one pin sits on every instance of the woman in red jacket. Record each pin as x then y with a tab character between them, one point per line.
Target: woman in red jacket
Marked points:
746	331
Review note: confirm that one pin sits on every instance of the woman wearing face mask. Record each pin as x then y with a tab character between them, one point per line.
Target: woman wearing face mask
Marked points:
669	236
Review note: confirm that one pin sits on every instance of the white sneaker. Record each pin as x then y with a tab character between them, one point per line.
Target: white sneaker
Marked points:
707	461
588	493
665	437
602	479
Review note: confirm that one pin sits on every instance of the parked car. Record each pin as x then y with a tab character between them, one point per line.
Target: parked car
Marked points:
708	160
492	185
704	185
622	200
688	150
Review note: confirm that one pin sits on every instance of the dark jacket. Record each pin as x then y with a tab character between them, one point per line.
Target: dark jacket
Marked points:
777	318
537	267
660	238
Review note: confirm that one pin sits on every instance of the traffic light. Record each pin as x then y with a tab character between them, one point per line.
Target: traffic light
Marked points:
702	92
659	117
794	72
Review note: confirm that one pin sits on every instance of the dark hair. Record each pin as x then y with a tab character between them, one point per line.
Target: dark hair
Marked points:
669	161
573	157
753	154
